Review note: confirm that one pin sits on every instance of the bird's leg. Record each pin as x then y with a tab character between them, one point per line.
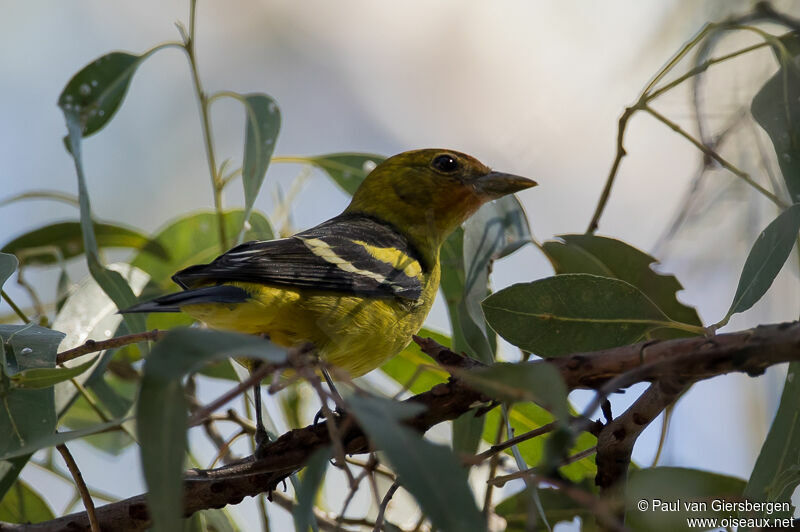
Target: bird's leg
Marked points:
334	392
261	437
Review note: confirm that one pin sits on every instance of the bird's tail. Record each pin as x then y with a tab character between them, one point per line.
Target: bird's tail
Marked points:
174	302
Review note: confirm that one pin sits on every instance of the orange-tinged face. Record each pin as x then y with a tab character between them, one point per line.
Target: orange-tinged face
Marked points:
429	193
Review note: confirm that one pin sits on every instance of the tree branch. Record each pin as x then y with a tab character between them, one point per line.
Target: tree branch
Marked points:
683	361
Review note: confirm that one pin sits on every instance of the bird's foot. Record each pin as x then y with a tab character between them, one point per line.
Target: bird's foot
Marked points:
320	415
262	442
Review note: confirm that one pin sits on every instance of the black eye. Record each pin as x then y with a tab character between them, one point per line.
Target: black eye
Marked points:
445	163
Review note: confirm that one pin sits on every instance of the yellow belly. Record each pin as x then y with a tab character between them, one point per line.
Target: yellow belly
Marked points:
349	332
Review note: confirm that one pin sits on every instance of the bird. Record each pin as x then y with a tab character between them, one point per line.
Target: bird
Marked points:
356	287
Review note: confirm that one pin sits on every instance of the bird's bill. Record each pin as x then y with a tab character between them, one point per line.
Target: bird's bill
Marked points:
496	184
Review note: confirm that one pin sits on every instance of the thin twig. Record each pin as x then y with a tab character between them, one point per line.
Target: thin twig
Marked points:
351	494
93	346
255	377
493	463
500	447
202	100
376	469
384	504
717	157
14	307
80	485
333	430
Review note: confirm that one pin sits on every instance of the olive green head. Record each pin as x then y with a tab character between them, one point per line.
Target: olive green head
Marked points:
429	193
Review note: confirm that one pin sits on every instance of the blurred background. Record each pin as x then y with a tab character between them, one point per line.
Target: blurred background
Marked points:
532	88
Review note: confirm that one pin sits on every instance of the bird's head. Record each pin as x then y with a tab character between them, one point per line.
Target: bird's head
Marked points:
428	193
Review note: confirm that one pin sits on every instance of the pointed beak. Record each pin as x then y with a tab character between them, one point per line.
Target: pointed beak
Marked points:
497	184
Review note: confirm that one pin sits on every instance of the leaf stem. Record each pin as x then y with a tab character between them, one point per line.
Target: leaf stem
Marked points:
80	485
647	96
14	307
203	102
714	155
93	346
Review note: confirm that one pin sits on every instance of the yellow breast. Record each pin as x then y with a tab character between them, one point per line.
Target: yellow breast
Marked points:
354	333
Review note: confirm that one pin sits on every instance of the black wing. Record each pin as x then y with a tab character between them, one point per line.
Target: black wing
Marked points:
331	256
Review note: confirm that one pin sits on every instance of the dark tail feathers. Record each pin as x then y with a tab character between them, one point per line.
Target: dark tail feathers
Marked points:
174	302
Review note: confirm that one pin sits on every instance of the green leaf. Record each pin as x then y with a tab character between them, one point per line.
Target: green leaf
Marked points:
406	365
22	504
214	520
765	260
776	473
117	396
261	131
88	313
37	378
25	415
570	313
309	485
54	195
679	486
430	472
51	439
8	264
347	170
558	507
191	240
776	108
608	257
496	230
523	381
525	417
63	241
469	336
95	93
161	412
10	470
110	281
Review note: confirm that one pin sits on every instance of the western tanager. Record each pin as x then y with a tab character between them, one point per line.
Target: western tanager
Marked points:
359	285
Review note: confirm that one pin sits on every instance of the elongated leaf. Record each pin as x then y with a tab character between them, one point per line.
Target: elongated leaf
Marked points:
117	396
89	313
558	507
261	131
110	281
496	230
347	170
161	412
777	471
776	108
10	470
309	485
52	439
214	520
8	264
689	491
570	313
524	381
25	415
33	379
431	473
191	240
404	368
54	195
766	259
22	504
469	336
95	93
46	245
608	257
